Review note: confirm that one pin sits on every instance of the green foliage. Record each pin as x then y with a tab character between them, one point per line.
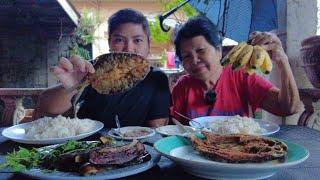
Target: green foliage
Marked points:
158	36
79	51
88	23
84	34
25	159
188	10
163	57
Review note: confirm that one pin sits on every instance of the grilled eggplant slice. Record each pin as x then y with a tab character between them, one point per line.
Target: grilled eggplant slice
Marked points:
113	156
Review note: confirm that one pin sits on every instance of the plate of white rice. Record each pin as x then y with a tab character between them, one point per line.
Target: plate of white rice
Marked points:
236	125
52	130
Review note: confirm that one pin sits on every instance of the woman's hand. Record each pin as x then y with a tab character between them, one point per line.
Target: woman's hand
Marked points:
270	42
71	72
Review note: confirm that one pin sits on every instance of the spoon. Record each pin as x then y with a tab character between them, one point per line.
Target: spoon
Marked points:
117	130
180	126
193	123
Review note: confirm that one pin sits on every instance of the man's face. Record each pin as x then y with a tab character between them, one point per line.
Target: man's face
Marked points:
129	37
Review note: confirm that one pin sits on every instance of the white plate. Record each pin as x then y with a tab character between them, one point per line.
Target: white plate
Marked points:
270	127
109	174
171	130
17	133
179	150
129	129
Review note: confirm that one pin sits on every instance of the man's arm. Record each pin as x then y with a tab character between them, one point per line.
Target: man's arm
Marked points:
157	122
53	101
56	100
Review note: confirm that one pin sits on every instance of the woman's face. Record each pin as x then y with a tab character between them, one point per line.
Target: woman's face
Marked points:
129	37
199	58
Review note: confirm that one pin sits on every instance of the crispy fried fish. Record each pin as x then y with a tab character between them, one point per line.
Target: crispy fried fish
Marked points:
239	148
118	72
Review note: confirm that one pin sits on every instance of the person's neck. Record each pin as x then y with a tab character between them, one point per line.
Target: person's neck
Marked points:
211	82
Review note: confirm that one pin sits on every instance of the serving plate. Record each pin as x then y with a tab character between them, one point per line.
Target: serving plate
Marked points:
204	121
108	174
179	150
129	129
17	133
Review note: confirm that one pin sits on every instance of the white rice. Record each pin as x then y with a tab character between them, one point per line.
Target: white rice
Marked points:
58	127
235	125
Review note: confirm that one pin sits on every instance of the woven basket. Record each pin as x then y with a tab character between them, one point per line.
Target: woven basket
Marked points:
310	54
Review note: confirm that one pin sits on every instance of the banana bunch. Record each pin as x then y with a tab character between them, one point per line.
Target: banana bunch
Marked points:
249	57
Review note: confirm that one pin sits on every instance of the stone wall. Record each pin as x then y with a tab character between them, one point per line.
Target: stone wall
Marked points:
25	58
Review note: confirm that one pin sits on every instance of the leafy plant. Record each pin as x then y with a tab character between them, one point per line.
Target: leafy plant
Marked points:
163	58
84	34
25	159
187	9
22	159
158	36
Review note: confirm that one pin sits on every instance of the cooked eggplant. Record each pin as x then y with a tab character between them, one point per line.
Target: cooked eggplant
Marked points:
110	156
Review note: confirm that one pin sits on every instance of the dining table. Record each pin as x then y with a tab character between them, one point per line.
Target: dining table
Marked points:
167	169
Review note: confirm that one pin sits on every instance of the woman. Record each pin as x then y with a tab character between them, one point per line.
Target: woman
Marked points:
210	89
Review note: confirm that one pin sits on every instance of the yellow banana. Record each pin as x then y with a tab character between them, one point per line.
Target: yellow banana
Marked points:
258	56
266	66
232	55
243	58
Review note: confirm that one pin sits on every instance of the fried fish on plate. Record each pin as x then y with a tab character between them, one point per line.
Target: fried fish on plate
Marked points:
116	72
239	148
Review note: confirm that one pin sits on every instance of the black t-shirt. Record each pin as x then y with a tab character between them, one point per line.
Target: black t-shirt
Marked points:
149	100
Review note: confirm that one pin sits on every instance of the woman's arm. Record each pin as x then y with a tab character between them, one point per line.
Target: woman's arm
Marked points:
284	101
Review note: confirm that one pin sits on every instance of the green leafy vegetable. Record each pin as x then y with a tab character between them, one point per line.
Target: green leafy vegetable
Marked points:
22	159
25	159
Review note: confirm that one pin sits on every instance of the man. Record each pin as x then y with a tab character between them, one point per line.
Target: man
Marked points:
146	104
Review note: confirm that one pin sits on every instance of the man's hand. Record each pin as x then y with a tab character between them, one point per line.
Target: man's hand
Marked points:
71	72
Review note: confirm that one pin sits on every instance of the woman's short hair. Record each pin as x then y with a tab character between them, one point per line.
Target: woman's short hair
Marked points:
127	15
198	26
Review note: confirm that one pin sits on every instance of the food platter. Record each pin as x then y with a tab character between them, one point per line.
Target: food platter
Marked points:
109	174
17	133
127	133
179	150
270	127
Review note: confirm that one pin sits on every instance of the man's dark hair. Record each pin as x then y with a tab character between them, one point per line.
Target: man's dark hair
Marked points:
128	15
198	26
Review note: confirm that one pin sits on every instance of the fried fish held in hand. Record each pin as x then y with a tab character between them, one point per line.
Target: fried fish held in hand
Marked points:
117	72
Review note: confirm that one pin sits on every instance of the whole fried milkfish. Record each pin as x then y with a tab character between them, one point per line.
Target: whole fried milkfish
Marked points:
239	148
116	72
119	155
